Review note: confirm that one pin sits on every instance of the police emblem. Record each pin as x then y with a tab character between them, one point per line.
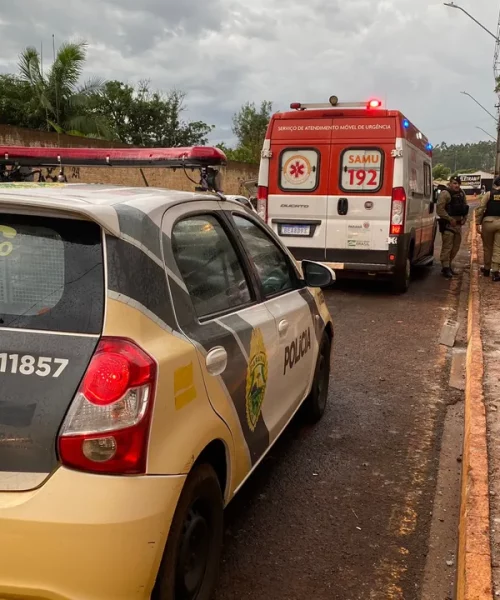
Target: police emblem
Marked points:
256	379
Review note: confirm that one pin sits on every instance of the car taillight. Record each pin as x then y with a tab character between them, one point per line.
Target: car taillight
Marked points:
107	427
262	196
398	211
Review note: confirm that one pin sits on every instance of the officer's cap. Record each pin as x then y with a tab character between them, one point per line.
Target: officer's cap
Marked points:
456	179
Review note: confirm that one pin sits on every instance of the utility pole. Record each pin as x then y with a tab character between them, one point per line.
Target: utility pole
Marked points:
497	161
497	39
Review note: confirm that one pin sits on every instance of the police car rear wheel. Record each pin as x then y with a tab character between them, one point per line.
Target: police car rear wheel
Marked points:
315	405
190	564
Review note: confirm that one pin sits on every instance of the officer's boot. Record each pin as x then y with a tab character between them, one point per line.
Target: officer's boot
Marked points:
486	272
447	272
495	275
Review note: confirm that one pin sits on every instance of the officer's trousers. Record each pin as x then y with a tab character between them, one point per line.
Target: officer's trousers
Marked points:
491	242
450	246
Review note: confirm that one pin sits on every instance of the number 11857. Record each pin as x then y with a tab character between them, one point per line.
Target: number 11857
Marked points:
29	365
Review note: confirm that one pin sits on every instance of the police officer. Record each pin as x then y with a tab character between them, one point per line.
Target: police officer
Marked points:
488	224
452	210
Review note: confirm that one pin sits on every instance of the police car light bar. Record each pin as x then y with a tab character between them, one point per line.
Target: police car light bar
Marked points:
195	157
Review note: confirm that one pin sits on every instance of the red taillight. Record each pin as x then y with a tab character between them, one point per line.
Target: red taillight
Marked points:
107	427
262	197
398	211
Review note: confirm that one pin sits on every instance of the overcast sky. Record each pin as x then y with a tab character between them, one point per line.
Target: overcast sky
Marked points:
416	55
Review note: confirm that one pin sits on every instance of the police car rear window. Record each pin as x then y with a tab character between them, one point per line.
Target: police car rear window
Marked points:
51	274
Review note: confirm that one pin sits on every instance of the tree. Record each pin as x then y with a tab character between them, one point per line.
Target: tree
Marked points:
466	157
250	126
141	117
58	100
15	96
441	172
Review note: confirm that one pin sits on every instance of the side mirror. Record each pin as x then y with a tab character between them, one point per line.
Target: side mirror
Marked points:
317	275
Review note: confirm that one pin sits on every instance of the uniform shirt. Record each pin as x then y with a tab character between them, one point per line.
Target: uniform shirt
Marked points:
443	200
483	205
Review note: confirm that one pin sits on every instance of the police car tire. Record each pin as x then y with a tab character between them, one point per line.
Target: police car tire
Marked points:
315	404
201	494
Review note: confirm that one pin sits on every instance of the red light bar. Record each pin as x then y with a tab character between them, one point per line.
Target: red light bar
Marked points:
374	103
195	157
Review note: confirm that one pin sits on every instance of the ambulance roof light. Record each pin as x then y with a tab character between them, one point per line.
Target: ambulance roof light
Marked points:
374	103
406	123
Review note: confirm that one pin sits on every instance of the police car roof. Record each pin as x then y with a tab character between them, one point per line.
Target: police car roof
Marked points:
101	203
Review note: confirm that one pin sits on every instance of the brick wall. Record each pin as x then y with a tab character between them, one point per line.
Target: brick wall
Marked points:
16	136
234	175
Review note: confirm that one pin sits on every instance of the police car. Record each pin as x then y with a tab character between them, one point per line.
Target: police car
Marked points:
154	346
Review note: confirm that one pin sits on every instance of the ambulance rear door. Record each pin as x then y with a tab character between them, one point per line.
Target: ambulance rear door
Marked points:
298	184
360	191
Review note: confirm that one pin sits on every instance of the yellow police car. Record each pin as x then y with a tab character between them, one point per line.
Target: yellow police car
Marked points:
154	345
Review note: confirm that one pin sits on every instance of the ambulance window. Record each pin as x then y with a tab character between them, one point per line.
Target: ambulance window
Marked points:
428	180
271	263
209	266
361	170
299	170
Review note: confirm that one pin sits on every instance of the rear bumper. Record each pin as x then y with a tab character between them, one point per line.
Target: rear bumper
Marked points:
357	262
85	537
362	267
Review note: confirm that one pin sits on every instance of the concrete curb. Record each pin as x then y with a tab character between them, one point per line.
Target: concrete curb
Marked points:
474	575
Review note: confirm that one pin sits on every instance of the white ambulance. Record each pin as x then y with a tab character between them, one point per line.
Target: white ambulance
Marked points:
350	185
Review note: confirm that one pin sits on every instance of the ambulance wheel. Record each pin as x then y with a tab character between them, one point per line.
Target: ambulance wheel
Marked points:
401	280
315	405
190	564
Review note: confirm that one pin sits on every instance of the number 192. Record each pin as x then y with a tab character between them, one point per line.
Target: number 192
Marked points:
361	176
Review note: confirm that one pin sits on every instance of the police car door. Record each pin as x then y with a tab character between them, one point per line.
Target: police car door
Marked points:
217	307
294	311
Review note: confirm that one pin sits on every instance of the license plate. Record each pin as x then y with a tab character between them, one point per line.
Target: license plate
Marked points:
296	230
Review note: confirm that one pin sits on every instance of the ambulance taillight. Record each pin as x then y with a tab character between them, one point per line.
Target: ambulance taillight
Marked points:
262	197
398	211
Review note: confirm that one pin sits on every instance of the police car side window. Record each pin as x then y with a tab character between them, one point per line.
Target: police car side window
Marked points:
209	265
272	265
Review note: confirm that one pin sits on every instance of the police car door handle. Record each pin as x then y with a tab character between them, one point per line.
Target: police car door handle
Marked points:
283	328
216	361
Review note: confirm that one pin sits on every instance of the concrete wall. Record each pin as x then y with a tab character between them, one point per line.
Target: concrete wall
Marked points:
16	136
234	175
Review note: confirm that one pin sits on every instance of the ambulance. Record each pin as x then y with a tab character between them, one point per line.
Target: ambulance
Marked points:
350	185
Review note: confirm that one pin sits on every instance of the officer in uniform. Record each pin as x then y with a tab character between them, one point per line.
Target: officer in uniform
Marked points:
452	210
488	224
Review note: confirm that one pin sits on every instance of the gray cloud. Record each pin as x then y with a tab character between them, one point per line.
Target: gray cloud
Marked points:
417	55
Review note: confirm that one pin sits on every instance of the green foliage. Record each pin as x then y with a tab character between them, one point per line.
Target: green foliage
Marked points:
55	100
58	100
142	117
465	157
249	127
440	171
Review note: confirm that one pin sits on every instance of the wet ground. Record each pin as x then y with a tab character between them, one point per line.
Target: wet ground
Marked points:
342	510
